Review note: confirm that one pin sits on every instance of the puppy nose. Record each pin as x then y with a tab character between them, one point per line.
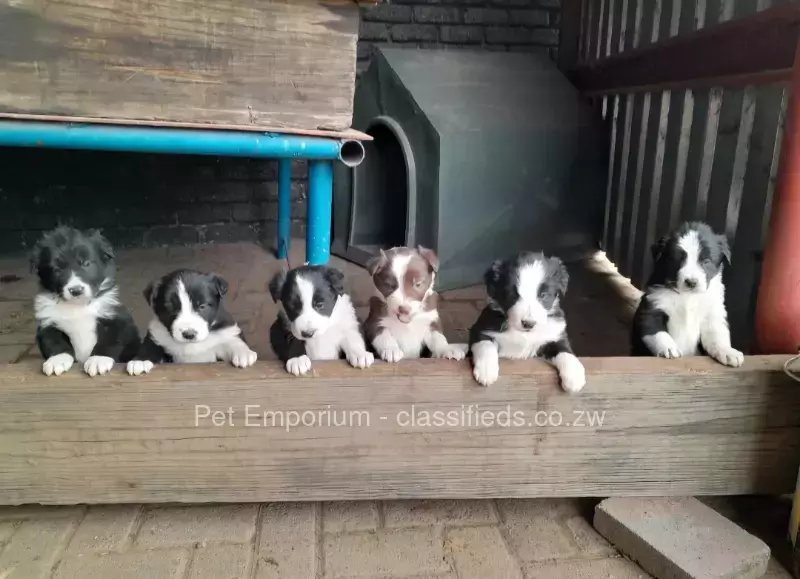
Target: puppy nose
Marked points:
76	291
307	333
691	283
403	310
189	334
526	325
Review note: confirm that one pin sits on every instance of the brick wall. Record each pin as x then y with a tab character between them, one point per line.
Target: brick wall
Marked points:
148	200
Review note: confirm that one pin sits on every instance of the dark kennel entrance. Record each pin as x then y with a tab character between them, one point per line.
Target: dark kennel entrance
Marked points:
382	220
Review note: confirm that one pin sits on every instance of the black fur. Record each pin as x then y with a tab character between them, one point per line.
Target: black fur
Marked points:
57	257
501	281
328	286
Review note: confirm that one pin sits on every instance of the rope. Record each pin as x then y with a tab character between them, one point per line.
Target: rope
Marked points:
788	371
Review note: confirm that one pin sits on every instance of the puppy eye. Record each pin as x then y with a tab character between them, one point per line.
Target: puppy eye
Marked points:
86	263
418	283
203	307
542	294
318	304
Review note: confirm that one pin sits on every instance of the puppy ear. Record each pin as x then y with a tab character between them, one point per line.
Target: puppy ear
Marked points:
561	274
336	279
276	285
725	248
376	263
220	283
657	249
106	249
430	256
150	292
492	275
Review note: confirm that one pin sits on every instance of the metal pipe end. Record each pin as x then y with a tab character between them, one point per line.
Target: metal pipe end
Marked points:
351	153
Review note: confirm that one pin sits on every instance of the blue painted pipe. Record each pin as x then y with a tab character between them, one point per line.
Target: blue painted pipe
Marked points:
284	207
320	200
178	141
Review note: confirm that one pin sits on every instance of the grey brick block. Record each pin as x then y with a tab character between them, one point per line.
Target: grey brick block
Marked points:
461	34
414	33
529	18
437	15
681	538
388	13
485	16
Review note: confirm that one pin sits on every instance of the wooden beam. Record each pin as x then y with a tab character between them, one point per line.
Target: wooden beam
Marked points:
757	49
643	426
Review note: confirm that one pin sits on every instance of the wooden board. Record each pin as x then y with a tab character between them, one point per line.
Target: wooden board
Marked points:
687	427
271	63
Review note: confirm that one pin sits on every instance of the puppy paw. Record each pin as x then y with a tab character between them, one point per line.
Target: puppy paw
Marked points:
486	370
137	367
727	356
58	364
669	352
299	365
244	359
98	365
455	352
361	359
391	355
572	374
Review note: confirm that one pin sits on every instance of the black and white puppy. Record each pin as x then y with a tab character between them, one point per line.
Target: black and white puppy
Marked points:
316	321
682	312
78	313
190	325
524	319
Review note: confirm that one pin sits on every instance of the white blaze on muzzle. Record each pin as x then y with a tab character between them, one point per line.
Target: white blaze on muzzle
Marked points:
77	290
310	322
189	326
528	310
691	276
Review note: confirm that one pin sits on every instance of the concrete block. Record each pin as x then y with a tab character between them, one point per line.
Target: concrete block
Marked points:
681	539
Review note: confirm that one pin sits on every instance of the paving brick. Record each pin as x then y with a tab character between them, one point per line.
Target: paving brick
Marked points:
402	514
288	540
594	569
173	526
9	354
104	529
399	552
162	564
480	553
345	516
221	562
32	549
589	541
7	529
681	537
537	529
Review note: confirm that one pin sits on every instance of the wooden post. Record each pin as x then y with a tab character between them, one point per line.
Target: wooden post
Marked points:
778	305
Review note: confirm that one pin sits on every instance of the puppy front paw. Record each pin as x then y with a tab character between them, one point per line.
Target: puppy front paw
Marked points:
361	359
137	367
727	356
298	366
669	352
98	365
391	354
58	364
454	352
572	374
486	370
244	359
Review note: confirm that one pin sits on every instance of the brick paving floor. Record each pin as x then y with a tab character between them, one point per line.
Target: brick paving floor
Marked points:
509	539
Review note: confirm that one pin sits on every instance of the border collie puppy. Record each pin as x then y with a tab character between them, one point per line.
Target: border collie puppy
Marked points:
524	319
682	312
403	319
316	320
78	313
191	325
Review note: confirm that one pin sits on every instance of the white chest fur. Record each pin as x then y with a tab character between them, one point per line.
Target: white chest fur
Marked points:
515	344
327	345
688	313
77	321
210	350
411	336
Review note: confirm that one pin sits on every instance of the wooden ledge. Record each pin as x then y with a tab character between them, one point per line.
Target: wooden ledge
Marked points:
213	433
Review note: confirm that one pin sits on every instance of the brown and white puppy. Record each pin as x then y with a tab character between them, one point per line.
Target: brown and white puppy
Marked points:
403	319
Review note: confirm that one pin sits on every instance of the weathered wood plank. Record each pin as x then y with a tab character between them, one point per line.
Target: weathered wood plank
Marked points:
277	63
647	427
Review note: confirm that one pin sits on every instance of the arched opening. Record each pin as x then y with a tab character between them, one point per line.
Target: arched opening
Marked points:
381	191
